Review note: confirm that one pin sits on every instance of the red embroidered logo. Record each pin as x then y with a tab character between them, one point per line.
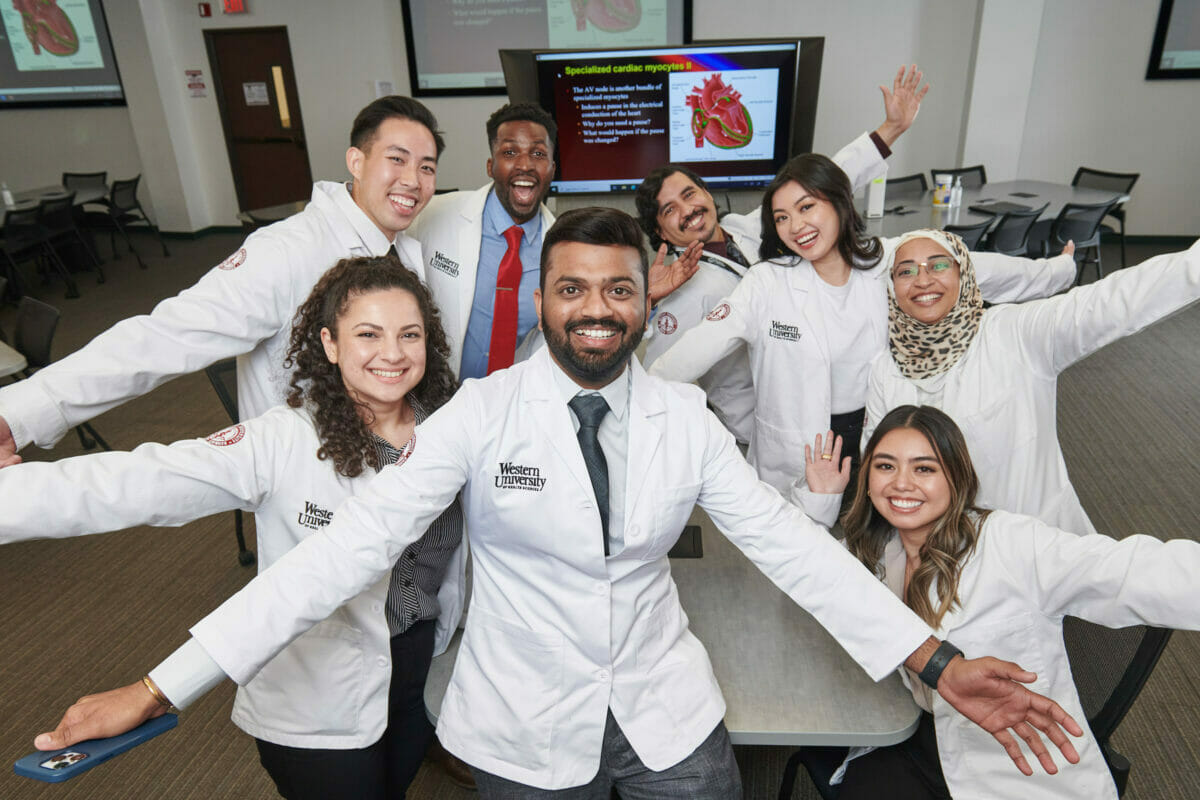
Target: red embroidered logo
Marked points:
719	313
407	450
667	324
228	436
234	261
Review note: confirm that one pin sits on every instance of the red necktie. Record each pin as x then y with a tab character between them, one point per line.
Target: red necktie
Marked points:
505	310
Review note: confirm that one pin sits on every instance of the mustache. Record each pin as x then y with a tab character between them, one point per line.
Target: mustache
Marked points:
607	324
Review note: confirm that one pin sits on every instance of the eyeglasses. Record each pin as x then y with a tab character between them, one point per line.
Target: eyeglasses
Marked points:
908	270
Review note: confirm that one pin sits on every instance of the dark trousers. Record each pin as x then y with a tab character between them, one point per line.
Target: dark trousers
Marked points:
850	427
383	770
910	770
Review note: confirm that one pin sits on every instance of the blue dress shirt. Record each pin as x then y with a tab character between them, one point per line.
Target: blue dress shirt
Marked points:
492	248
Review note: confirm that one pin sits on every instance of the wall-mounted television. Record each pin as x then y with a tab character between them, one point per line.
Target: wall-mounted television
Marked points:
56	54
1175	52
452	44
732	111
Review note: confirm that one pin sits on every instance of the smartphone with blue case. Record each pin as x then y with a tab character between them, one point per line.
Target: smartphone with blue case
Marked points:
56	766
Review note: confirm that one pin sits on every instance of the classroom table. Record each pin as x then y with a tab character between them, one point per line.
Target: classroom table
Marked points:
785	680
11	362
921	212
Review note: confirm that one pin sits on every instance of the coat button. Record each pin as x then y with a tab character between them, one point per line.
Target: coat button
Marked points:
382	661
602	675
377	607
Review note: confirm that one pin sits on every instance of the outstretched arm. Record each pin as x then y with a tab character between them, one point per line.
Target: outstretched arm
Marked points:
98	716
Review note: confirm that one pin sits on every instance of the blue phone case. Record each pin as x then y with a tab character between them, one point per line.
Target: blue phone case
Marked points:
56	766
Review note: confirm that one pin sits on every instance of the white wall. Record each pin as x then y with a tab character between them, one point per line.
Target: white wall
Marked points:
1091	105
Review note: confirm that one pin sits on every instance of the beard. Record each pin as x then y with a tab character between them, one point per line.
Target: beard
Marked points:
587	365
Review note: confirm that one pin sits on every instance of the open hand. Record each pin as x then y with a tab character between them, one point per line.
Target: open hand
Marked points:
666	278
98	716
902	103
1069	250
825	471
8	446
988	692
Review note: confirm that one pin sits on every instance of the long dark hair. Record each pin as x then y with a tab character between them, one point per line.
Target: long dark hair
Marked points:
954	535
821	178
317	383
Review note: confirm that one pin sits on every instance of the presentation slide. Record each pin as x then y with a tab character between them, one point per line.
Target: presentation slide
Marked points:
56	52
455	42
723	110
1181	50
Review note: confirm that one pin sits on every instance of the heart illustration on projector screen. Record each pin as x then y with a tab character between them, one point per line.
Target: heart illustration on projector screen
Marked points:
719	116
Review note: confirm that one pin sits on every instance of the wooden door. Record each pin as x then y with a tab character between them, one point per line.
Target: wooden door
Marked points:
260	112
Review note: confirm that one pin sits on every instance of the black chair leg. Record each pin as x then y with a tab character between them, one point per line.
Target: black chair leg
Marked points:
1124	263
57	264
129	243
789	776
100	276
89	438
245	557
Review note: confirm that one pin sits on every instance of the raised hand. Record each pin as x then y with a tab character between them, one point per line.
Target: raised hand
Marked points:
902	103
825	471
666	278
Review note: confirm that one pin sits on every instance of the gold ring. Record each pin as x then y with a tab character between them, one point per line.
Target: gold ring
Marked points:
827	456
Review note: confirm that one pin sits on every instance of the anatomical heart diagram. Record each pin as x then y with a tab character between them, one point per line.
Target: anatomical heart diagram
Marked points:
613	16
719	116
47	26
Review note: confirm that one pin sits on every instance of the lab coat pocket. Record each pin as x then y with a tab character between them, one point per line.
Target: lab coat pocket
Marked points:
315	686
673	507
513	676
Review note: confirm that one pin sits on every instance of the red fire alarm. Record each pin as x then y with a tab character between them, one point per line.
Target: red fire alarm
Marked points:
235	6
205	9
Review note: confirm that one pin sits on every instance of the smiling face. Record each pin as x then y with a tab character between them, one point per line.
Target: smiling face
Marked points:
521	165
807	224
907	483
926	280
379	347
592	309
686	213
395	175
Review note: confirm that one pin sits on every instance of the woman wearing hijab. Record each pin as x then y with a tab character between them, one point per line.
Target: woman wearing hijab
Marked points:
995	371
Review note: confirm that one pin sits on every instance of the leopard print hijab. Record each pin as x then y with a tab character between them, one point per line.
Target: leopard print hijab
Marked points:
923	351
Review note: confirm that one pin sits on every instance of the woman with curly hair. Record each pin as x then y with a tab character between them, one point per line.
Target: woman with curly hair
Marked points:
339	713
998	583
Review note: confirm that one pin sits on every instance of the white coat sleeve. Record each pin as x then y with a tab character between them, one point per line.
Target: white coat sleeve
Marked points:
718	335
359	546
1139	580
801	558
876	405
820	508
861	161
227	313
153	485
1056	332
1014	279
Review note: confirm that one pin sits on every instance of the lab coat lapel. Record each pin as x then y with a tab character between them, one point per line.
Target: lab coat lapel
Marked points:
470	239
802	281
646	418
552	416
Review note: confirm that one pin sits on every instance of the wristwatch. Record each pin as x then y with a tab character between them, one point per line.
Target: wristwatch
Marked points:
937	663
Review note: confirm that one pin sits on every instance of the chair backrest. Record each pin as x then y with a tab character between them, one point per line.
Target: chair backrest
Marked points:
21	229
123	196
21	217
1110	667
909	183
972	177
223	377
1011	234
971	234
34	331
57	213
1080	222
84	180
1088	178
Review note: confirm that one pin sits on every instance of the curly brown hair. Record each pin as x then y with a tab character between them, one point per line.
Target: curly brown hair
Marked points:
317	383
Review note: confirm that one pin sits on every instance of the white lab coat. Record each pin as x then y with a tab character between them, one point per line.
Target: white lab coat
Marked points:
728	383
773	313
329	688
1022	579
243	307
1003	391
557	633
450	231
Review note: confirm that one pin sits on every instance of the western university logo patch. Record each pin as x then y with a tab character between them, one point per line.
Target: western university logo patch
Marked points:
234	261
442	263
227	437
786	333
719	313
667	324
313	516
519	476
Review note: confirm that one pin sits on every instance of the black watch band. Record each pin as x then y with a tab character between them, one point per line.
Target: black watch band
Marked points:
937	663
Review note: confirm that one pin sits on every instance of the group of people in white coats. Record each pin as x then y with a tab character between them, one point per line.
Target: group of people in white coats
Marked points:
368	360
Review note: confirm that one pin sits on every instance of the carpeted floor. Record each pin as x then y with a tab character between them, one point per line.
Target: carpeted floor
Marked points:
85	615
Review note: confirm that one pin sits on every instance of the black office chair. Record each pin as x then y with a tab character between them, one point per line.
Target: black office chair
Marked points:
26	239
122	212
821	763
908	183
1011	234
972	177
1076	221
80	181
223	377
58	219
32	337
1087	178
971	235
1110	667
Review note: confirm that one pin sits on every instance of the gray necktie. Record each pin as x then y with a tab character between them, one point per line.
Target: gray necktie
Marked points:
590	409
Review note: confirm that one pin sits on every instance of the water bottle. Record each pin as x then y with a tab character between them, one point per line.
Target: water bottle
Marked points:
956	193
7	195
